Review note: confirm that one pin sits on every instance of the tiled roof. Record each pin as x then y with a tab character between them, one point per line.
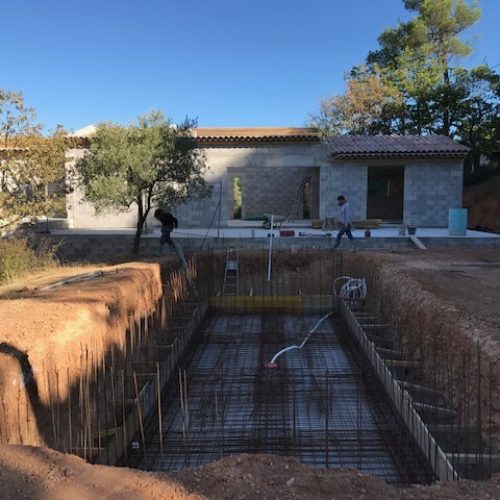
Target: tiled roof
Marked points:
257	134
395	146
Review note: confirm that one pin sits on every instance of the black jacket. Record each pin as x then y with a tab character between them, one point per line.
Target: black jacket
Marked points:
167	219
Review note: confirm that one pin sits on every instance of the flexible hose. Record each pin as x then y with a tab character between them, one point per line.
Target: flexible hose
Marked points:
302	344
353	288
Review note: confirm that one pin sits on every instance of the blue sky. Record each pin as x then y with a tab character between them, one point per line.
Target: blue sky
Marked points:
227	62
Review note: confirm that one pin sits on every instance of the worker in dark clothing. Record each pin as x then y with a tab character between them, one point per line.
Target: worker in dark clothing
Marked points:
168	224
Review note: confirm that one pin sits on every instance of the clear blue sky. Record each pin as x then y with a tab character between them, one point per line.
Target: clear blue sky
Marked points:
227	62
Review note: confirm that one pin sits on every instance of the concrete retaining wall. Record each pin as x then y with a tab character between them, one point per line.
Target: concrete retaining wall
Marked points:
102	248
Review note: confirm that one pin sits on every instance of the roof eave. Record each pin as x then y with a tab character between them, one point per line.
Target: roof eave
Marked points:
458	155
248	140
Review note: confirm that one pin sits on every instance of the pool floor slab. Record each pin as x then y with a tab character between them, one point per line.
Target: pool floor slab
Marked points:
315	405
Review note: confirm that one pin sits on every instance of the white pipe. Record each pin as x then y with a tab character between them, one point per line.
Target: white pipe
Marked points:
270	249
300	346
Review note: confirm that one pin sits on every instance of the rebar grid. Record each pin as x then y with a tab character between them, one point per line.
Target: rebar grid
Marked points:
317	405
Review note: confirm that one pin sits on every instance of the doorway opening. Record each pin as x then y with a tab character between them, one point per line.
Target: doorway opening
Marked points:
237	198
385	193
306	199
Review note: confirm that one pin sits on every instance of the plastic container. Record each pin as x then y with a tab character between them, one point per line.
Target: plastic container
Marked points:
457	221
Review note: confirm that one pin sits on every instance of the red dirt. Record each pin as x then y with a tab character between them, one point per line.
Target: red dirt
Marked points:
55	327
463	282
446	304
468	298
28	472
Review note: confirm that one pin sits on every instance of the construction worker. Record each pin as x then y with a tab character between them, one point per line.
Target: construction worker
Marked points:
346	221
168	224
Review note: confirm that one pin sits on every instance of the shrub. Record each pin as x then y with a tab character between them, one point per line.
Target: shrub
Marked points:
17	257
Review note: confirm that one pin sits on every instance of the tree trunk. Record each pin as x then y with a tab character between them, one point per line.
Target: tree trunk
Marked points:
142	215
141	218
446	103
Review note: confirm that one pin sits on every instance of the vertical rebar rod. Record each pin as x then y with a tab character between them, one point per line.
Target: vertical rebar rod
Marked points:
139	412
124	419
327	409
479	437
490	419
158	400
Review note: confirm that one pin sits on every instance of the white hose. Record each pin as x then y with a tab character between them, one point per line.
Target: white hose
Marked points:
352	289
300	346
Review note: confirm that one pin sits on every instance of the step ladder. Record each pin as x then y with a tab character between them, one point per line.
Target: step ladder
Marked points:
295	210
231	274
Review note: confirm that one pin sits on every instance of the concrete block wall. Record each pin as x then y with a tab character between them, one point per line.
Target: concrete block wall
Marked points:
430	190
273	190
270	176
200	213
348	179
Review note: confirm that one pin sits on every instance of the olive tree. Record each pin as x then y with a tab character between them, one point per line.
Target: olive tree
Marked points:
31	163
151	162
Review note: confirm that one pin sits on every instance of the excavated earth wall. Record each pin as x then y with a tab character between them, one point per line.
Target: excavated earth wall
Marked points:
50	338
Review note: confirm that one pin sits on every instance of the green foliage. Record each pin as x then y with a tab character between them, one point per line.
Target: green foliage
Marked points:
237	198
419	90
18	258
31	164
151	162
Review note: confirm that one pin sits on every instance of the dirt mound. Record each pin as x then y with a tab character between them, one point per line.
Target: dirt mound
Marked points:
271	476
41	473
29	472
483	202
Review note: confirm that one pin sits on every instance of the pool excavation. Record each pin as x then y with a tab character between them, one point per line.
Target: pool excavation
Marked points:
235	357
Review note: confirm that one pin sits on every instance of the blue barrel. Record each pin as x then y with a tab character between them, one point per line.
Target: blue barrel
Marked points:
457	221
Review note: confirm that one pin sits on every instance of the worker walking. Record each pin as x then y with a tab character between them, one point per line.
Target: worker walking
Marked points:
168	224
346	221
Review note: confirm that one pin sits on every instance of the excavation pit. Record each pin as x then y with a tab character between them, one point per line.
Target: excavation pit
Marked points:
117	344
320	404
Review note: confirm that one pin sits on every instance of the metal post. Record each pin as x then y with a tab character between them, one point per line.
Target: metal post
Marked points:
270	249
220	210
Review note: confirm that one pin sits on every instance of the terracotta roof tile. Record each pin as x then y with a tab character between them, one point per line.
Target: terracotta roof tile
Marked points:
395	146
255	134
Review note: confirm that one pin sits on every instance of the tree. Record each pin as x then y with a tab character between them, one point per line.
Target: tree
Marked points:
31	164
151	162
367	107
479	112
412	84
418	55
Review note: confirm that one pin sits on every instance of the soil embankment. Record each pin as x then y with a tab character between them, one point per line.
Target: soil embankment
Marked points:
483	203
27	473
49	337
445	307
